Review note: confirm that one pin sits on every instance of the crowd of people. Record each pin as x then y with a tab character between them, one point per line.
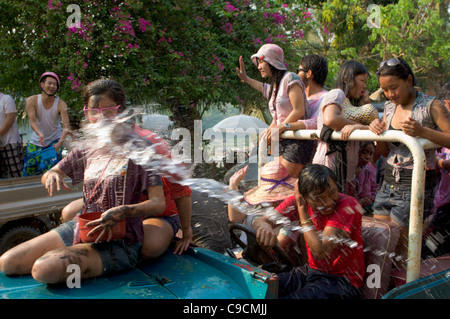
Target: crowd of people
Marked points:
324	186
361	177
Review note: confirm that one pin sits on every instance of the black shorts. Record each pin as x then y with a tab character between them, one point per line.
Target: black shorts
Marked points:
115	255
297	151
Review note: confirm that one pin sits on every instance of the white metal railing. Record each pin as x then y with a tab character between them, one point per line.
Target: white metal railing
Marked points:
417	147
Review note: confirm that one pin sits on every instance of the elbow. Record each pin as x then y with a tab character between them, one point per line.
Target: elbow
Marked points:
319	255
234	215
161	207
298	114
332	123
157	207
235	219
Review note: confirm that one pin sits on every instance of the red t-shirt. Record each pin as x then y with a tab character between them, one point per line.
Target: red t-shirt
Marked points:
161	146
343	260
172	191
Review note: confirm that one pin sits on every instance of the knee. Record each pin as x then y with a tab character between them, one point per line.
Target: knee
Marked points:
157	237
153	250
8	264
48	269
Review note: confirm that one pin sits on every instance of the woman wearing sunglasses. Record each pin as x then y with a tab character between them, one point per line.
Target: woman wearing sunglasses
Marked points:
415	114
112	184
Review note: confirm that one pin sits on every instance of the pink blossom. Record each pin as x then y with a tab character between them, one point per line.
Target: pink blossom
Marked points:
76	85
306	14
227	27
268	39
230	8
297	34
284	5
256	42
125	27
51	6
143	24
278	18
82	31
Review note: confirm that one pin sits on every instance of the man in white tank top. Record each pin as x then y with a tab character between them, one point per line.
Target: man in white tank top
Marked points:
46	113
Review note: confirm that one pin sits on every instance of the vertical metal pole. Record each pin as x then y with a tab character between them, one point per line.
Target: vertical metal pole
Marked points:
416	210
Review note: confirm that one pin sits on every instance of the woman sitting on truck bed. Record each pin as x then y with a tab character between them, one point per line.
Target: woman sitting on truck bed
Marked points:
112	184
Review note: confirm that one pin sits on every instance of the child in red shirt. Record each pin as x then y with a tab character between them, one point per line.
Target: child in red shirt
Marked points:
331	226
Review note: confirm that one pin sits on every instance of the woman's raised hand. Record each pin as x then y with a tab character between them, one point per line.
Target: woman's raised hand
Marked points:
241	72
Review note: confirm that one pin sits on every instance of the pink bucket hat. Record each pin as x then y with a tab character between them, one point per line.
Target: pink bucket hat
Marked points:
272	54
276	185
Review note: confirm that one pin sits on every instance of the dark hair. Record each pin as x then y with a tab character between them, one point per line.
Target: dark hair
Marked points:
109	88
277	75
444	92
347	73
363	145
401	70
315	177
318	66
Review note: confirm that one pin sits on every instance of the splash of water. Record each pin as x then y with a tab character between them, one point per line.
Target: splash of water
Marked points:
118	136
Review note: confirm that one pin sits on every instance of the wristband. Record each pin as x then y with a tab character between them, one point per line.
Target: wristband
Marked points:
306	222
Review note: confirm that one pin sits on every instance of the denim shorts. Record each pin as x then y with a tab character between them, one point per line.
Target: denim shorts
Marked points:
115	255
395	202
173	221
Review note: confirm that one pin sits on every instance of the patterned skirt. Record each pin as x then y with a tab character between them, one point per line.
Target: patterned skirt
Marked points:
11	160
38	160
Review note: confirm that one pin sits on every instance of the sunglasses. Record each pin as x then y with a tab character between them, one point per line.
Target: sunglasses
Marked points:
106	112
390	62
302	69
